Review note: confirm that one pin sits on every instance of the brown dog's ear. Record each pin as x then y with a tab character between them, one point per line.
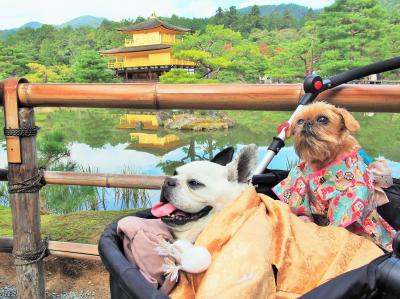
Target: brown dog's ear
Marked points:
349	121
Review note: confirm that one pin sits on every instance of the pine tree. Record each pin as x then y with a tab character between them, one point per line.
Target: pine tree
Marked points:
288	20
222	54
310	15
14	60
232	19
219	16
350	33
89	66
252	21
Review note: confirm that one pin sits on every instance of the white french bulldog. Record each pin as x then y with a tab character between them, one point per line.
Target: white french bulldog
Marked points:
200	189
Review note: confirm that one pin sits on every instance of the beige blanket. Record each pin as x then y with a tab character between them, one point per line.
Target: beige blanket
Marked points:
256	232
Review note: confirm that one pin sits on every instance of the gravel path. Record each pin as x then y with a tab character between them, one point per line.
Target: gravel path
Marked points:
10	293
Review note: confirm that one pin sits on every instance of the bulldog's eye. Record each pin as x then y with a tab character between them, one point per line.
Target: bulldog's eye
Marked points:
300	121
323	120
175	173
194	184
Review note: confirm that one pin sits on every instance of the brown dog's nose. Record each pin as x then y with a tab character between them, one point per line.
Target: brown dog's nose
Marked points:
170	182
307	127
308	124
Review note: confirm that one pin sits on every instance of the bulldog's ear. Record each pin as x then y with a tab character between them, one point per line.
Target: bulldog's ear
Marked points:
241	169
224	157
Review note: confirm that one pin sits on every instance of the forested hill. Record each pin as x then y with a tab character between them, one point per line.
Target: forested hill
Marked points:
83	21
33	25
298	11
74	23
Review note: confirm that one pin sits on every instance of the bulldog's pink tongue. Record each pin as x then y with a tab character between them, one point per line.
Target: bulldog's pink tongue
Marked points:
162	209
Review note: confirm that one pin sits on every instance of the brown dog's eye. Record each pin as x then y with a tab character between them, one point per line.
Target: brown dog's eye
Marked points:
323	120
300	121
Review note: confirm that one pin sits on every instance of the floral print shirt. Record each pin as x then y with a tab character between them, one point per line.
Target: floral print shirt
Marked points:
340	194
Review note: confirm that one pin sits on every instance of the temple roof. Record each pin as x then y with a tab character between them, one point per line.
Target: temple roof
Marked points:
136	49
153	23
158	151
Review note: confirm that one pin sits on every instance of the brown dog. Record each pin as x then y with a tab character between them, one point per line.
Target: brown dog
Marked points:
343	193
322	134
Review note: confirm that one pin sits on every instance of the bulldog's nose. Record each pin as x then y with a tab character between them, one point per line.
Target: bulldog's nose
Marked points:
170	182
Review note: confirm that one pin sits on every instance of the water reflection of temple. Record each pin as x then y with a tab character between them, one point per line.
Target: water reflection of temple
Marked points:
153	143
139	121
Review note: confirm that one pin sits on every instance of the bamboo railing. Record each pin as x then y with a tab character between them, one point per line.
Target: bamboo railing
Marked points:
103	180
283	97
97	179
21	97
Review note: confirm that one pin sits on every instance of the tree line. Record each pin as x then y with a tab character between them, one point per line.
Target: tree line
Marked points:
347	34
227	47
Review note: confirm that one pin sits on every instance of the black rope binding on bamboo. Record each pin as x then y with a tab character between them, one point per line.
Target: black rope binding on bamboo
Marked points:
29	185
22	132
23	258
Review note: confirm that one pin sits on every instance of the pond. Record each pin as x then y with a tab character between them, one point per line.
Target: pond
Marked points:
95	143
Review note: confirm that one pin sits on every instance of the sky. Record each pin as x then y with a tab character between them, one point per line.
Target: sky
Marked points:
15	13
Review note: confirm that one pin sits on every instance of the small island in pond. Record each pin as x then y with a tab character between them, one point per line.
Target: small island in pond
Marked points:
177	120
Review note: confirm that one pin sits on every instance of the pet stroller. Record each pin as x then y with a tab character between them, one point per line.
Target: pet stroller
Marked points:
378	279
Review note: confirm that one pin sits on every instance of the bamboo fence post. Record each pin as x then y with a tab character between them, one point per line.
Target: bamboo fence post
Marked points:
26	214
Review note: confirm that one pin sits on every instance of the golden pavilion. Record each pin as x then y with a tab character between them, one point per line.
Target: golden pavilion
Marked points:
146	54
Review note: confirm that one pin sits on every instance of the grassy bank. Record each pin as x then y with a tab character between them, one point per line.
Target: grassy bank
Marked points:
81	227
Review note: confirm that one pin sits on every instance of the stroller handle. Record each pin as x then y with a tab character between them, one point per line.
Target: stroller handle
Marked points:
374	68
